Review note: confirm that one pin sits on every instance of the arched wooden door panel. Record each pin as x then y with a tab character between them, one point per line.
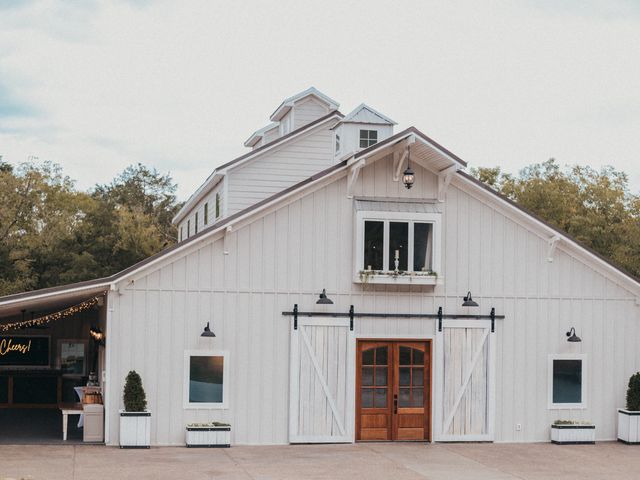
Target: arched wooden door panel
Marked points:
393	390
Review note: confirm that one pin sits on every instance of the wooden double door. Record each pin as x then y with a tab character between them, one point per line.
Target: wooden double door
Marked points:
393	390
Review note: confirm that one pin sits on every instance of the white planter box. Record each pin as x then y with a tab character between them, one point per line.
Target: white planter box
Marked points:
572	434
628	426
211	437
397	279
135	429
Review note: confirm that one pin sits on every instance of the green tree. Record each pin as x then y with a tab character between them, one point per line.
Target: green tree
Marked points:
593	206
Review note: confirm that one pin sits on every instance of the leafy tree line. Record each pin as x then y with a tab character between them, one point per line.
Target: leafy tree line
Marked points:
52	234
595	207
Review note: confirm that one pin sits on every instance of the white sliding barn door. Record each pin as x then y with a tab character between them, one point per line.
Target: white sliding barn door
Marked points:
321	397
465	381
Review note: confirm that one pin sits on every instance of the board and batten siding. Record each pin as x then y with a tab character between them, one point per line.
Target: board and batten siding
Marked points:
279	169
290	253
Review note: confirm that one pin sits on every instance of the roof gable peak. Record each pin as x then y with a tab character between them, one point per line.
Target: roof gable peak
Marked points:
363	113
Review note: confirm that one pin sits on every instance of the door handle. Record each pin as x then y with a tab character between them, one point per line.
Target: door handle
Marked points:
395	403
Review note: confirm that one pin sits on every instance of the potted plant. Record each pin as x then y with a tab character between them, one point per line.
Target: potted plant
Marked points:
629	418
565	432
135	419
211	434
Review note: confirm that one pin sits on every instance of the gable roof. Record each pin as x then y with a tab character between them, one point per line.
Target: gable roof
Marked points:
342	166
258	134
219	172
359	115
287	103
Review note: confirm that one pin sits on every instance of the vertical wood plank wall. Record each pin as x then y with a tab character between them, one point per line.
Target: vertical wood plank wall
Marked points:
290	254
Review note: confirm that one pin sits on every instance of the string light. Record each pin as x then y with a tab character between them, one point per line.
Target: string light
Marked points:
52	317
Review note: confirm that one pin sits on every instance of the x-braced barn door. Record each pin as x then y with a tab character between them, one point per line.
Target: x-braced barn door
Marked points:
465	381
321	401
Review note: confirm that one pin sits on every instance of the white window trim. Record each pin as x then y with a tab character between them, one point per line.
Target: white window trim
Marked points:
225	379
567	406
434	218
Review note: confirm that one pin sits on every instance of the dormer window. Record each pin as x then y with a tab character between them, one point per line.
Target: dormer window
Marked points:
368	138
337	143
397	247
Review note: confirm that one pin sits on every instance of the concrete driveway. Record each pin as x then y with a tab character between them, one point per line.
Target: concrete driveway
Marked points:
361	461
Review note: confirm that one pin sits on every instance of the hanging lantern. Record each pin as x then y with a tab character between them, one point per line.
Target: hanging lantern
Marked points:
408	177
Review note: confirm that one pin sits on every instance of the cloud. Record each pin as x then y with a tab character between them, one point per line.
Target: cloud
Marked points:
179	86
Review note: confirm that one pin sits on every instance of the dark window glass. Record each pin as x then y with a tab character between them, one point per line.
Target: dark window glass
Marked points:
205	379
398	244
368	138
380	398
196	222
206	213
373	245
181	233
217	205
367	398
567	381
405	356
405	376
417	377
418	357
367	357
405	397
381	376
417	397
188	228
421	247
367	376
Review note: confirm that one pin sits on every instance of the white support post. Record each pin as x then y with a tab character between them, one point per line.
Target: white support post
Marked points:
227	231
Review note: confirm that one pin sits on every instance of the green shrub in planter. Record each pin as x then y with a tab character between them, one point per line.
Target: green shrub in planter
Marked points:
633	393
134	398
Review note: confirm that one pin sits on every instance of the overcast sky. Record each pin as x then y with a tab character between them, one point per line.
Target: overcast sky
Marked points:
180	85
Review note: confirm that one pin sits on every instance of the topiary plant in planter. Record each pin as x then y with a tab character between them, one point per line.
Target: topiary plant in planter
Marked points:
134	398
135	419
629	418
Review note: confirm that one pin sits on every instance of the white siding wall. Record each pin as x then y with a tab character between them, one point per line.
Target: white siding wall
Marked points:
211	200
290	254
308	110
276	170
350	135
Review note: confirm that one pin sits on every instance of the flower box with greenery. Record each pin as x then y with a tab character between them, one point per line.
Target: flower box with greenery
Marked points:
210	434
425	277
135	419
565	432
629	418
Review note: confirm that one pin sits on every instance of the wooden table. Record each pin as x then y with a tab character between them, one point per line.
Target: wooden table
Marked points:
69	409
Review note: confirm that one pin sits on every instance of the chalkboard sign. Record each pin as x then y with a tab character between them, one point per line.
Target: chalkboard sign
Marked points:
24	351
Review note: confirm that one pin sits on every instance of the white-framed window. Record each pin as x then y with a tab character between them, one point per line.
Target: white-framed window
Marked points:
368	138
567	381
397	241
337	142
206	379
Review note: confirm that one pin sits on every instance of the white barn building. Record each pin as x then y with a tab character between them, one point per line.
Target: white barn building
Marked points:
319	203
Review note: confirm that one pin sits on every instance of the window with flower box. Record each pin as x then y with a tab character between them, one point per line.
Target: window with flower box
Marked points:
397	247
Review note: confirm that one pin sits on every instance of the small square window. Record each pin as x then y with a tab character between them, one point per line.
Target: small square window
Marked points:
206	377
567	381
368	138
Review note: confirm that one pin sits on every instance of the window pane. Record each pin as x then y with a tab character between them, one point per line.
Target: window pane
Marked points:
405	397
364	143
381	356
417	398
418	357
405	376
367	376
381	398
373	245
367	398
417	378
373	135
205	379
567	381
381	376
405	356
367	357
421	247
398	241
